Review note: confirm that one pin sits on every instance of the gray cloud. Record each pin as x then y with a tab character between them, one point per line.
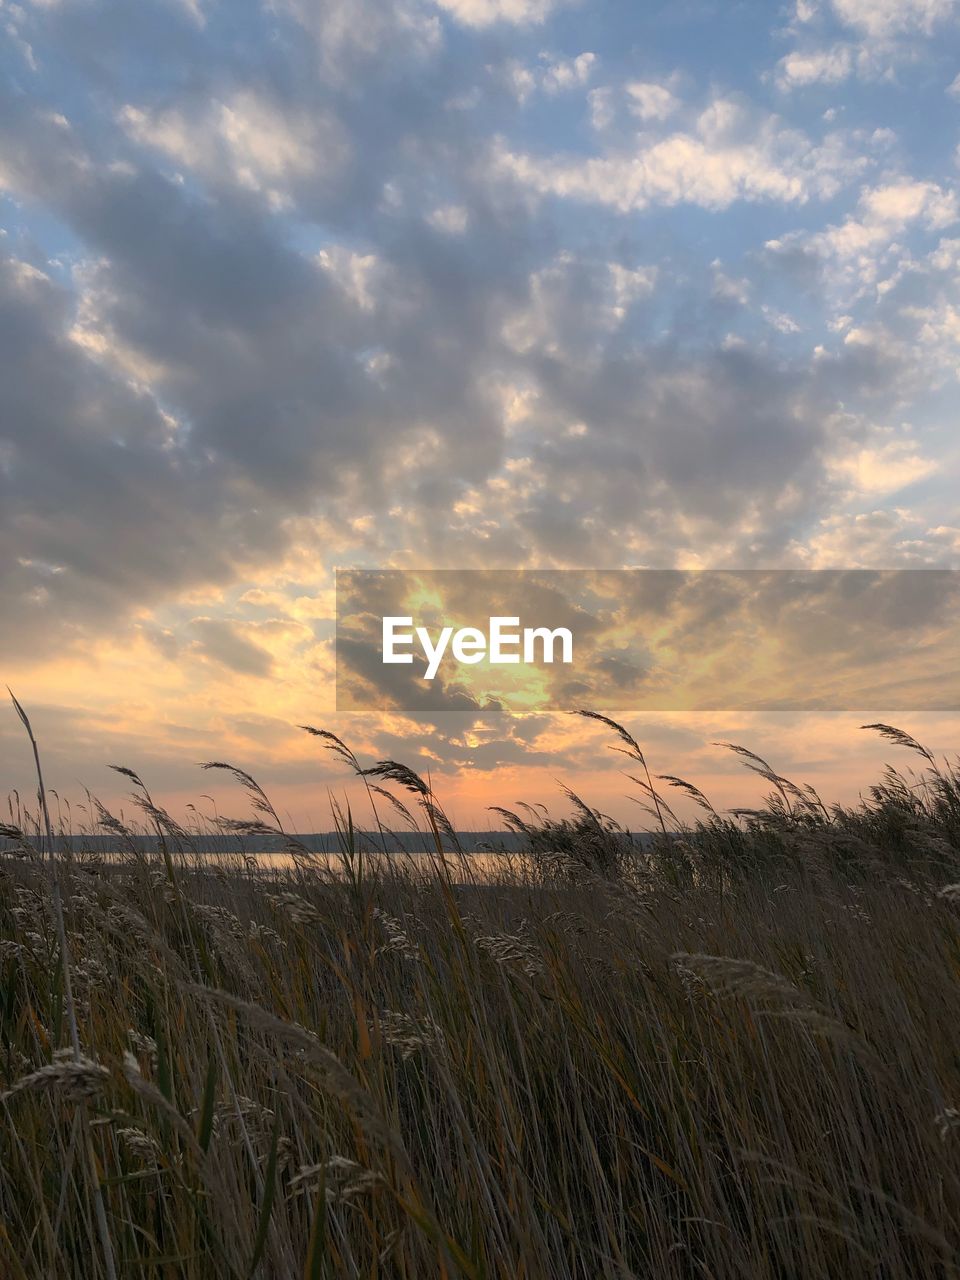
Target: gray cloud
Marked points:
221	641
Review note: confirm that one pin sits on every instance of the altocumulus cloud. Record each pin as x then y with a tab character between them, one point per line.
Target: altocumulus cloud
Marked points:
443	277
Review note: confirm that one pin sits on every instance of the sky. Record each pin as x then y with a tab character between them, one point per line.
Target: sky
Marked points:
297	284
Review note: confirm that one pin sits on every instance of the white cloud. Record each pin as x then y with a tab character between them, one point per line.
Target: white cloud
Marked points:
898	203
553	75
522	79
779	320
891	538
483	13
568	73
245	139
627	285
887	34
727	289
571	301
345	32
451	219
881	468
194	11
883	213
879	18
941	326
937	333
24	275
818	66
726	156
356	274
602	110
855	249
651	101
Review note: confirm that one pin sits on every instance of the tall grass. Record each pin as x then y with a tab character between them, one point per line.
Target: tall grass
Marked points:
731	1052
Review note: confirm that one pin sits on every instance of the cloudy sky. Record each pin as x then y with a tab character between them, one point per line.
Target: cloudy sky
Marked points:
450	283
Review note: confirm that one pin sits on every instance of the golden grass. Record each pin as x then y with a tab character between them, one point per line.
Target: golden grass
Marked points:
735	1055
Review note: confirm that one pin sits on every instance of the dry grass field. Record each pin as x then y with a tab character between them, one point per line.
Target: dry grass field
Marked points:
733	1053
